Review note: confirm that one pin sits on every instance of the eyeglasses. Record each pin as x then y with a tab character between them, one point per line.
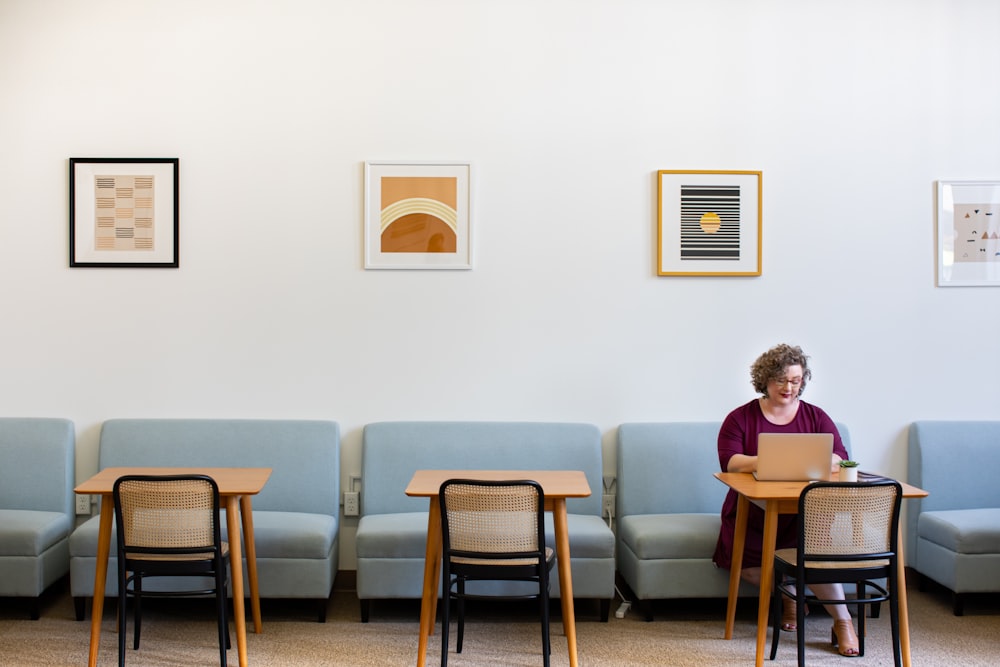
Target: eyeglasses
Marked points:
781	382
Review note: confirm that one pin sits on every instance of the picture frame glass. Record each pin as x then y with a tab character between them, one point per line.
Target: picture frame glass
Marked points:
418	215
968	233
124	212
709	223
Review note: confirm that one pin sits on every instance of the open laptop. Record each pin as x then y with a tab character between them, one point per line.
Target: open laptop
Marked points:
793	457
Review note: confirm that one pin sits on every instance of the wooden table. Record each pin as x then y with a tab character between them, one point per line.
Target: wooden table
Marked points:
236	487
557	485
777	498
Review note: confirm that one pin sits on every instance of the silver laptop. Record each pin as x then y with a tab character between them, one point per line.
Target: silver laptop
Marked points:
793	457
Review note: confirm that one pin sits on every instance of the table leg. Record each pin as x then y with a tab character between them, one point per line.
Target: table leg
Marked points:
904	612
736	568
766	575
250	546
565	575
236	568
101	575
432	575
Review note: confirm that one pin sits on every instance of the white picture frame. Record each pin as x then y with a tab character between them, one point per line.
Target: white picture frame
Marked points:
968	233
418	215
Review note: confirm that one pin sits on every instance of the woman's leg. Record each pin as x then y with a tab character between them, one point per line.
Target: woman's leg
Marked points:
751	575
843	627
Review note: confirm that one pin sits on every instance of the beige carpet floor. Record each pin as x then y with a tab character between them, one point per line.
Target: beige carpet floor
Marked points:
181	633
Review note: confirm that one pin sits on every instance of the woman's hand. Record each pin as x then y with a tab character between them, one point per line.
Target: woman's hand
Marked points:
742	463
835	463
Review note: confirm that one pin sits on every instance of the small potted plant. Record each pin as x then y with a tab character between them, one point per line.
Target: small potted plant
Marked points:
848	471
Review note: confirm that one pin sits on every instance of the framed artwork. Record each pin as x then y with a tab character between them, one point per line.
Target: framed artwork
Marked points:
123	212
418	215
968	233
709	223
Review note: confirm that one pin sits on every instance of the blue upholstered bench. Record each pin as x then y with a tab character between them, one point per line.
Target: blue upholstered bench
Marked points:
392	532
296	517
669	507
37	468
953	535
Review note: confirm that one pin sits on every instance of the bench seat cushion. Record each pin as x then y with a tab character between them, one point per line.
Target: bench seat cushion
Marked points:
31	532
656	536
968	531
404	535
277	535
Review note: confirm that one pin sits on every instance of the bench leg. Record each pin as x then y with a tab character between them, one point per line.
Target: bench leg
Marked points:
605	610
80	606
365	609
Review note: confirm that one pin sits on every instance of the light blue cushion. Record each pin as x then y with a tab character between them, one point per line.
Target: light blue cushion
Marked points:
30	533
656	536
974	531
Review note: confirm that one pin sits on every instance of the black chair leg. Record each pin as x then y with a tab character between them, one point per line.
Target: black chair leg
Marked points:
137	590
776	597
461	615
894	624
445	622
800	622
220	610
546	642
861	618
122	613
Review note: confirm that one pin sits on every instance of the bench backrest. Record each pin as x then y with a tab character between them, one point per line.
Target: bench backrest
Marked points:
37	464
304	455
392	451
956	462
667	468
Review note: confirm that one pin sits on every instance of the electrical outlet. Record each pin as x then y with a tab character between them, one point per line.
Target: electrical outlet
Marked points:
352	503
82	503
608	508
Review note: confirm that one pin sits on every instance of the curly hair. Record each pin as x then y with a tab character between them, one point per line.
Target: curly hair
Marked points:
772	364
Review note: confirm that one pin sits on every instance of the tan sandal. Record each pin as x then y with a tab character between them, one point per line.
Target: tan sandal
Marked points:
789	620
844	638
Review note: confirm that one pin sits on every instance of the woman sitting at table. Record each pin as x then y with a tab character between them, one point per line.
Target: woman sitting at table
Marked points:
780	376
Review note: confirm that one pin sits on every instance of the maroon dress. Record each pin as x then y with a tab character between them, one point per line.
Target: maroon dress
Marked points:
738	435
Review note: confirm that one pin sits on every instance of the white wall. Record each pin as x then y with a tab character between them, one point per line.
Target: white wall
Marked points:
567	108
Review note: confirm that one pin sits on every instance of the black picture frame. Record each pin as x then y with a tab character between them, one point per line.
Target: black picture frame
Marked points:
135	223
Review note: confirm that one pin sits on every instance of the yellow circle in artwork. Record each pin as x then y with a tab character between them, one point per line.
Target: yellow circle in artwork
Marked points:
710	223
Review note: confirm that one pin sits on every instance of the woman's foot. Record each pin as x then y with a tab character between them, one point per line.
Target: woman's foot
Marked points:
844	638
789	621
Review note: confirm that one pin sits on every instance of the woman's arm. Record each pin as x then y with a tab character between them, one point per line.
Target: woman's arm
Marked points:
732	444
742	463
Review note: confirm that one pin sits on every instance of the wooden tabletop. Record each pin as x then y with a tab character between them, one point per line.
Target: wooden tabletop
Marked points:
745	484
554	483
236	481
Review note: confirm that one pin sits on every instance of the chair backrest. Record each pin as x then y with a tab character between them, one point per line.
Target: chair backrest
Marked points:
167	514
492	519
849	521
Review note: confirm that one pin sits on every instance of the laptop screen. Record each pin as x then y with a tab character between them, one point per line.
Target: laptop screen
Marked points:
794	457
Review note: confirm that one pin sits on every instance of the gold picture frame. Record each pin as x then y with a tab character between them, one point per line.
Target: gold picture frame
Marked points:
709	223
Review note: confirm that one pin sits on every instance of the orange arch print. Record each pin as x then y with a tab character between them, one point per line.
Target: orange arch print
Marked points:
419	214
